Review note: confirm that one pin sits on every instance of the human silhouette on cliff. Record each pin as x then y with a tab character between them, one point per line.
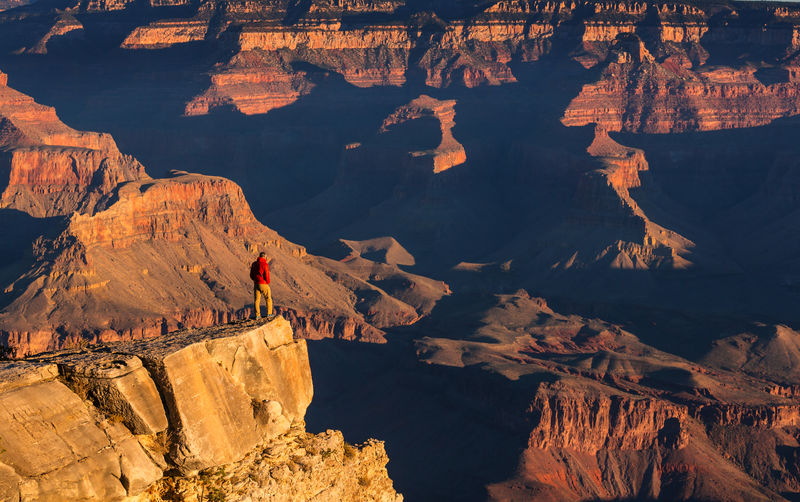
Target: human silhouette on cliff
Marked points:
259	273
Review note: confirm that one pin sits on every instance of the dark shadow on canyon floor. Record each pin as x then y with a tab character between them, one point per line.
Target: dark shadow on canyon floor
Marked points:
444	428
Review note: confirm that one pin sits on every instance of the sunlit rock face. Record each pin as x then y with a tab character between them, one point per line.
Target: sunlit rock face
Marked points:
639	93
130	420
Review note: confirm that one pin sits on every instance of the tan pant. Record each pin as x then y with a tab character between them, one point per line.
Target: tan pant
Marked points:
258	290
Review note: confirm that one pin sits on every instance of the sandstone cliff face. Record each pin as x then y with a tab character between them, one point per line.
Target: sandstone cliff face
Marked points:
605	195
52	169
613	422
252	82
168	253
165	34
721	426
637	448
606	198
663	87
607	416
638	92
108	423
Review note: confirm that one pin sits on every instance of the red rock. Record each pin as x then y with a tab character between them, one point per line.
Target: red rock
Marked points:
252	82
608	417
65	26
51	167
449	153
165	34
637	93
139	256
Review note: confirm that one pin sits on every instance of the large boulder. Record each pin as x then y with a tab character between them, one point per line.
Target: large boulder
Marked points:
194	399
56	446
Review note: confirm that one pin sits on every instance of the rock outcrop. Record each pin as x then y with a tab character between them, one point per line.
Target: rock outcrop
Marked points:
630	160
167	253
165	34
252	82
655	77
607	416
64	28
449	153
633	448
54	170
143	419
603	198
640	93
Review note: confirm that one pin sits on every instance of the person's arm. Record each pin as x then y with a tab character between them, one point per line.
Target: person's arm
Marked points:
266	272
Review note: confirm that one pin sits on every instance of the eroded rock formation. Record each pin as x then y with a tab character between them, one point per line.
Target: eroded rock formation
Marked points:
252	82
607	416
143	419
638	92
449	153
53	170
117	236
604	198
566	192
655	74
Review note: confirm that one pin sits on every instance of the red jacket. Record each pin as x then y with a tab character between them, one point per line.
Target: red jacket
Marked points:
259	271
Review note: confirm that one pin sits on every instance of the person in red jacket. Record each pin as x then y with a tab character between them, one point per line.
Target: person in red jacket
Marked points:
259	272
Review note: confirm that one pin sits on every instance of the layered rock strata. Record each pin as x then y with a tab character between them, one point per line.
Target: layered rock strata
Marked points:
640	448
108	423
638	92
168	253
661	83
165	34
65	27
607	228
606	416
603	199
52	169
252	82
449	153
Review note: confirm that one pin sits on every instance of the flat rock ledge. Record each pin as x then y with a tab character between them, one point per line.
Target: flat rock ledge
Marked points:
160	419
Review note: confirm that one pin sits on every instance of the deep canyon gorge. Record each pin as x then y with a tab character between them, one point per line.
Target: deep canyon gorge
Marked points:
541	250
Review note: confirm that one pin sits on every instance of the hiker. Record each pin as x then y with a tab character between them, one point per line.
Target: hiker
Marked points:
259	272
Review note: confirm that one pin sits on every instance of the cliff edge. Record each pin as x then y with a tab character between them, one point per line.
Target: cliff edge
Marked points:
214	412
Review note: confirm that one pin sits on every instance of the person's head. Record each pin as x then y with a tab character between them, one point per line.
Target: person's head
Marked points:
262	254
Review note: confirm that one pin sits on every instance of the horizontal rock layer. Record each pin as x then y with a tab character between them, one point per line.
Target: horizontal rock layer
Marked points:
168	253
